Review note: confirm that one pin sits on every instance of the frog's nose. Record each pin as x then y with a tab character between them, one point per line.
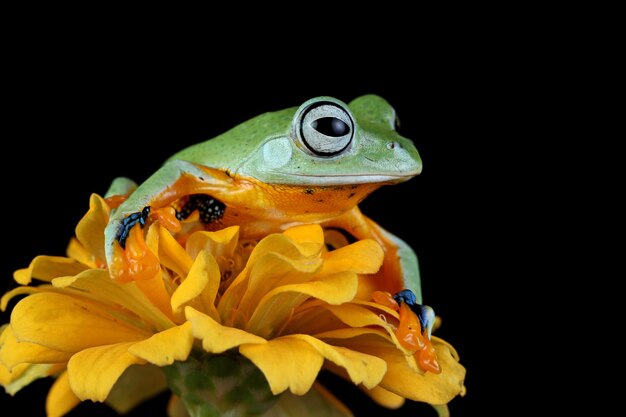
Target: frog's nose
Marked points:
404	153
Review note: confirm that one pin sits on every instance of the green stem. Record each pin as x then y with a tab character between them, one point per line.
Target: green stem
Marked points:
220	386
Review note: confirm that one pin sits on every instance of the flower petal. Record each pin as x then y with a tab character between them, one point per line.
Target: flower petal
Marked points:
45	268
68	324
8	296
317	402
90	229
385	398
215	337
357	316
219	243
92	372
167	346
276	243
277	305
273	270
13	353
203	281
308	237
363	257
61	398
408	383
25	373
362	368
286	362
137	384
78	252
97	285
172	255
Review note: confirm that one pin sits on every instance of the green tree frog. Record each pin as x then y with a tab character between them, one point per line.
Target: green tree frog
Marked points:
311	164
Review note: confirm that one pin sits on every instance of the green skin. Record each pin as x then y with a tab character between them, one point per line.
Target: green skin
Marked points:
273	149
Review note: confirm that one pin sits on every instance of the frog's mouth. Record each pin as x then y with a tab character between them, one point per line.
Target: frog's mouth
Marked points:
353	178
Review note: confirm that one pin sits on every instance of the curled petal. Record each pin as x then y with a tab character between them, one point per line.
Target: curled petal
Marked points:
363	257
61	398
97	285
165	347
202	284
93	372
286	362
45	268
137	384
25	373
277	305
39	318
362	368
219	243
90	229
385	398
13	353
215	337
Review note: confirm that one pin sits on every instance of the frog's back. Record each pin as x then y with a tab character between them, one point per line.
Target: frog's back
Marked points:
228	151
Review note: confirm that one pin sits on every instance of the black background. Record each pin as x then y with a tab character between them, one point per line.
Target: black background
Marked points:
78	119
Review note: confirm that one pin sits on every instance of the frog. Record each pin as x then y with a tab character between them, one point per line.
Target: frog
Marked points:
312	164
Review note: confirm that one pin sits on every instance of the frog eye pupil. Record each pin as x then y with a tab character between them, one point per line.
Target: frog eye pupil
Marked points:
331	126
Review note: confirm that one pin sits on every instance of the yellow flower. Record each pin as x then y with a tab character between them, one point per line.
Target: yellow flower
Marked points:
287	304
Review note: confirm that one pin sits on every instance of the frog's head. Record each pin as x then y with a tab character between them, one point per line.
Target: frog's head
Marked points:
328	142
323	142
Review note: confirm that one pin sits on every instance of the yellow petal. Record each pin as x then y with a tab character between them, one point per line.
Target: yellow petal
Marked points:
4	301
286	362
13	353
276	243
215	337
408	383
45	268
273	270
92	372
172	255
220	243
309	238
90	229
68	324
97	285
357	316
26	373
167	346
277	305
60	398
362	368
363	257
385	398
202	282
77	251
137	384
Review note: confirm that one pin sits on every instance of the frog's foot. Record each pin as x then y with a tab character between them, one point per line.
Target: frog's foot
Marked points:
132	259
415	326
425	314
127	224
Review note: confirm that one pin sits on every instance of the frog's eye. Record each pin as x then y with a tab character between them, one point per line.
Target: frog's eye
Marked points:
325	128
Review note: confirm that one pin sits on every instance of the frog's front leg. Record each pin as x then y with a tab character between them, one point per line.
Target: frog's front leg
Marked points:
174	180
400	269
